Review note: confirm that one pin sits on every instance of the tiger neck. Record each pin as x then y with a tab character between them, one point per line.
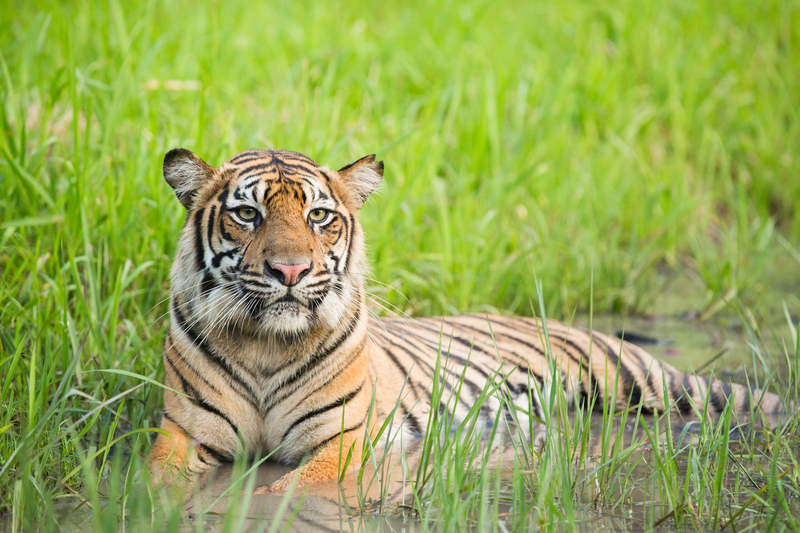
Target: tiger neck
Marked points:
267	353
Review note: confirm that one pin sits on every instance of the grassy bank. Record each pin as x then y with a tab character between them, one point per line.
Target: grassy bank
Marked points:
617	142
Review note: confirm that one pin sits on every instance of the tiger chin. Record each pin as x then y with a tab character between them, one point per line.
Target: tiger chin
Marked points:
271	348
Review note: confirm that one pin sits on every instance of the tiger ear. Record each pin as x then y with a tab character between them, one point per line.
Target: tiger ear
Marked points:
362	178
186	173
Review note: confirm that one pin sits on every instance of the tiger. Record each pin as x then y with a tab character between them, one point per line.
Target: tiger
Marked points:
272	349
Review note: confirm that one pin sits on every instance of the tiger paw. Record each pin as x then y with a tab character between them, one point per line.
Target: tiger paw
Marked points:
282	485
266	489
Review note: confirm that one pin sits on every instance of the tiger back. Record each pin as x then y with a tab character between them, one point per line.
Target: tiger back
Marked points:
271	348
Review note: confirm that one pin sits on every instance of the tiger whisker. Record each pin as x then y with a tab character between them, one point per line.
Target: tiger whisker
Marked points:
187	303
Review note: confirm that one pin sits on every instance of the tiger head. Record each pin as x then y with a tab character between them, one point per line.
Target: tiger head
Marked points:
271	243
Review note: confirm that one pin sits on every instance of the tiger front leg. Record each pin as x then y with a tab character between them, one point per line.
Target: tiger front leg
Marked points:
323	466
176	458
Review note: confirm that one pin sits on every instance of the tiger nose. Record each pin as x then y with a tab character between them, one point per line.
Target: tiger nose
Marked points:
289	274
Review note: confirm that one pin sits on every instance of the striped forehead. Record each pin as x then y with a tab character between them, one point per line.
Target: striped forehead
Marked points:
259	174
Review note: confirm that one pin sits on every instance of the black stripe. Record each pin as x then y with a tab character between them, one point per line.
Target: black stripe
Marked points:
256	177
647	370
314	185
745	392
627	382
211	451
717	400
473	387
472	363
415	357
471	345
338	434
218	456
209	283
315	300
222	198
346	250
255	282
260	153
217	259
199	400
239	162
311	363
166	415
684	404
318	283
210	225
237	194
528	372
270	195
415	387
672	386
333	405
534	347
411	418
250	184
199	249
292	156
355	162
583	362
211	355
355	355
188	365
202	460
247	172
295	169
524	388
406	373
348	244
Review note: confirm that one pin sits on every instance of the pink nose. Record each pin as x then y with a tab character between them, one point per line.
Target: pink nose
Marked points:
291	274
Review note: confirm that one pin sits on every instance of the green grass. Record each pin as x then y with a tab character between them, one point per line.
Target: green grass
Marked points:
618	142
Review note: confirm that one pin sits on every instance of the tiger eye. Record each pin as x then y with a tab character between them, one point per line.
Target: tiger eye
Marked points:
246	213
318	215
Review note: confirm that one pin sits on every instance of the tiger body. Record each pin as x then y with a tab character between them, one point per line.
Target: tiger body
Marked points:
271	347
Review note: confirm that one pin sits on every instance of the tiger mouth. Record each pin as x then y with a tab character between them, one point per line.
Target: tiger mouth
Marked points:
289	310
261	307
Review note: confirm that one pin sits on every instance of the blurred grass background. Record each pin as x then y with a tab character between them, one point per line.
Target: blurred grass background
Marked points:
598	144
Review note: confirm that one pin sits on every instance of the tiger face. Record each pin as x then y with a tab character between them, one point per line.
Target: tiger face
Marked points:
271	243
